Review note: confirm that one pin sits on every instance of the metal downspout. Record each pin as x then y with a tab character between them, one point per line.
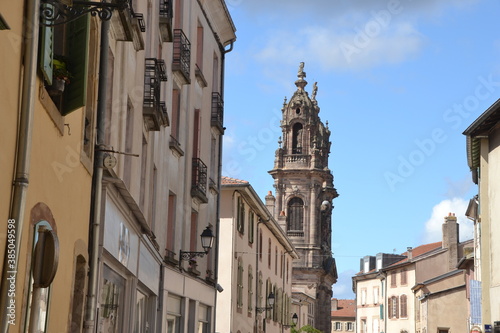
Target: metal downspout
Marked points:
23	158
95	214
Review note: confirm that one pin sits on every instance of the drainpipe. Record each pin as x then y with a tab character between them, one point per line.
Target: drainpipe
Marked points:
96	195
23	158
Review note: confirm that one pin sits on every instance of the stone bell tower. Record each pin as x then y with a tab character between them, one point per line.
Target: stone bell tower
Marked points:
302	204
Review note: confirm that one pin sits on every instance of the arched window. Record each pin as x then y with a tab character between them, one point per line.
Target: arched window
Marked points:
295	214
404	306
297	138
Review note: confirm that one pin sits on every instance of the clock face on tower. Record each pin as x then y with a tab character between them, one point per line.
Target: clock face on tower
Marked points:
109	161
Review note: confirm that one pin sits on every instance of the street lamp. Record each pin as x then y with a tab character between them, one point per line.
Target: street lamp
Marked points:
207	241
270	301
295	320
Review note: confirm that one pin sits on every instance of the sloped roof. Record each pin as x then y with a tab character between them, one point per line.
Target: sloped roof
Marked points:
233	181
418	251
345	308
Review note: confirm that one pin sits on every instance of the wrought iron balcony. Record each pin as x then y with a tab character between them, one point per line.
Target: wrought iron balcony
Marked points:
199	180
153	112
166	15
181	62
217	116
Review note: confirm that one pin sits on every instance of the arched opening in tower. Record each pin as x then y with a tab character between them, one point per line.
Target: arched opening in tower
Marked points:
297	138
295	214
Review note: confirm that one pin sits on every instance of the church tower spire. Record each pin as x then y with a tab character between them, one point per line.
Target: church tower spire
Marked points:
303	198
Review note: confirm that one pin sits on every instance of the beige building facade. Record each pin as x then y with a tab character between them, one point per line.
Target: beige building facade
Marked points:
255	260
414	285
122	165
483	158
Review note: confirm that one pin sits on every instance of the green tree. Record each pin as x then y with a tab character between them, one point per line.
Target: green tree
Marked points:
306	328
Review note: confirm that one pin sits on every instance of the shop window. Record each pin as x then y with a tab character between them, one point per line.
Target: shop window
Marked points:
111	314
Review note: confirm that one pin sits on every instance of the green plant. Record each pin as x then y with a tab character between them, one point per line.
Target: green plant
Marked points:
306	328
60	71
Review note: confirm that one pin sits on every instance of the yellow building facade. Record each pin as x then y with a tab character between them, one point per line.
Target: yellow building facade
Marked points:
45	184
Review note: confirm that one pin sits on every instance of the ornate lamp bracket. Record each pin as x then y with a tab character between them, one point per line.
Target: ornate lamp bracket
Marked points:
55	12
184	255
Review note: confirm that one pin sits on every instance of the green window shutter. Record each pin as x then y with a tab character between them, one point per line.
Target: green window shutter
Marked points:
46	51
381	311
78	40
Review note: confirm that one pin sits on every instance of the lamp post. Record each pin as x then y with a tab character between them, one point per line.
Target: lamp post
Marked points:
270	301
207	241
295	320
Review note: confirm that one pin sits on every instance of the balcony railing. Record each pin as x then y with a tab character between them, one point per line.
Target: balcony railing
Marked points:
217	117
181	62
154	74
199	180
166	15
129	25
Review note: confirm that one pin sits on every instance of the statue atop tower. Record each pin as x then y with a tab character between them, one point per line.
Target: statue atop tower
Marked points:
304	192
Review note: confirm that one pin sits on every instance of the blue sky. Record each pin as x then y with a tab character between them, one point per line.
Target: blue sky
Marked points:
398	83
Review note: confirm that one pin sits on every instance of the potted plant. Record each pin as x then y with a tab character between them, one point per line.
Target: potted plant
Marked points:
60	77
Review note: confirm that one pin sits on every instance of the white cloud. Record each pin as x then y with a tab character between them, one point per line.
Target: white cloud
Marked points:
433	226
343	288
368	45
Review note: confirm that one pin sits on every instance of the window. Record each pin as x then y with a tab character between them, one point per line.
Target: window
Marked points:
375	295
260	245
269	254
199	46
171	221
393	307
403	305
239	296
196	133
281	264
363	326
63	62
193	241
144	173
404	274
363	296
251	219
393	279
295	214
112	304
173	314
143	312
78	297
297	138
203	312
259	291
338	326
350	326
240	215
250	289
375	325
275	260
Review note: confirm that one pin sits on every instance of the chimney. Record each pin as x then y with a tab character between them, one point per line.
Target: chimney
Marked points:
409	253
450	240
335	304
270	202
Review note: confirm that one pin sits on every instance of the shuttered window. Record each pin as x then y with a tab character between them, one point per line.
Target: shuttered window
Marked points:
74	49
